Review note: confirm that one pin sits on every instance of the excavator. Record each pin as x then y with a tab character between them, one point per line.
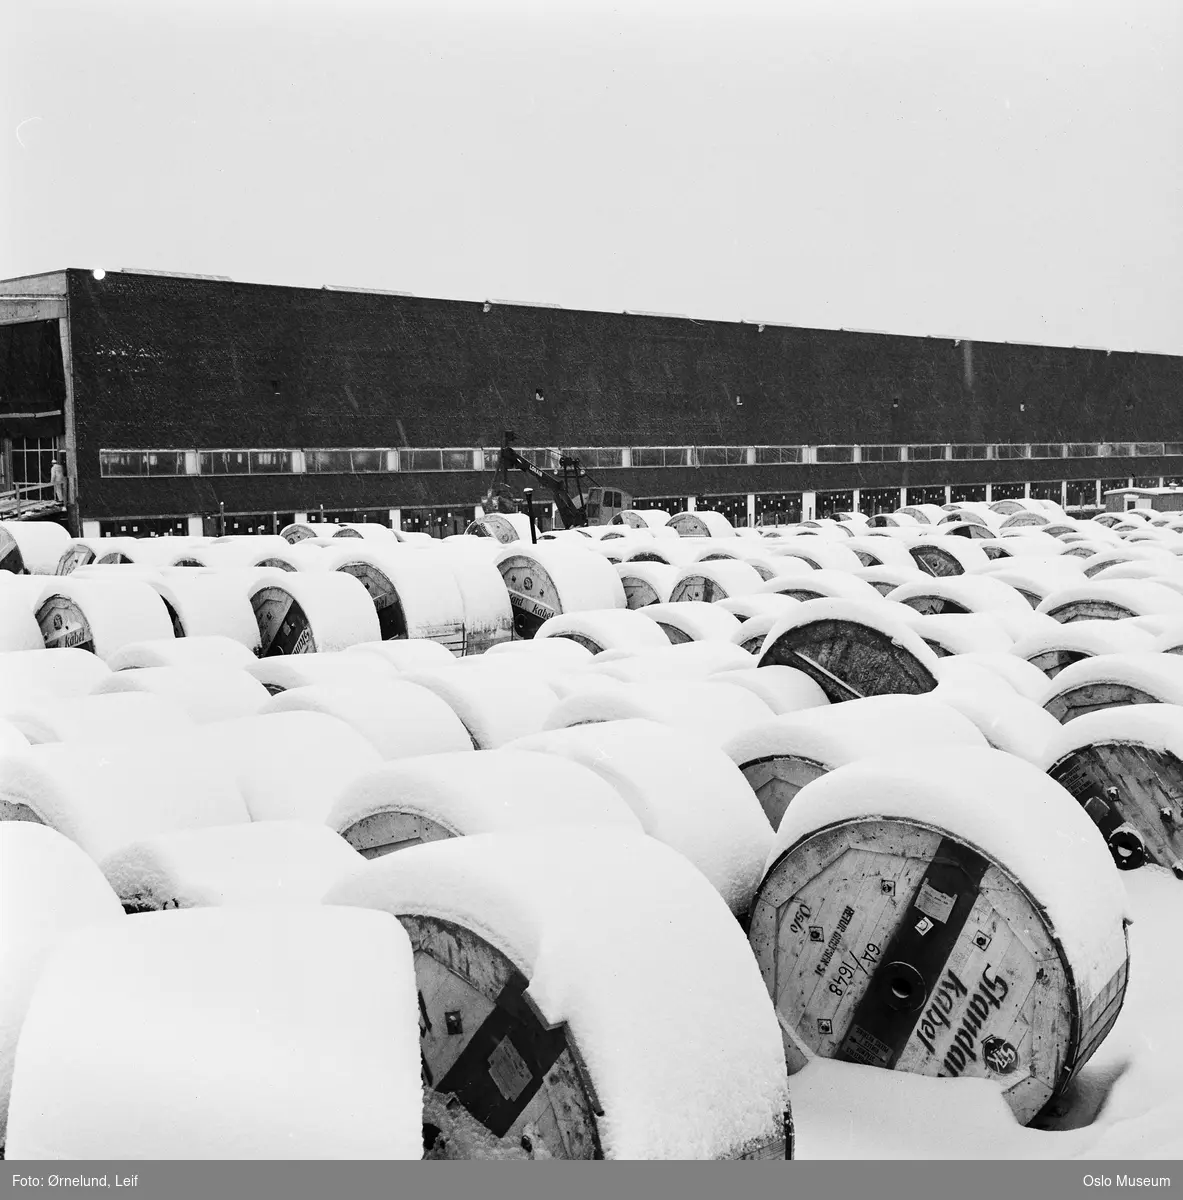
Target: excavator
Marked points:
578	498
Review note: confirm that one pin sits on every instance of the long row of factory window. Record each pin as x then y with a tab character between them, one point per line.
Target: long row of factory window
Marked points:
351	461
760	509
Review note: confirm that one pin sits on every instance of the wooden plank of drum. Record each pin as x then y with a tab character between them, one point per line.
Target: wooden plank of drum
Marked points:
487	1050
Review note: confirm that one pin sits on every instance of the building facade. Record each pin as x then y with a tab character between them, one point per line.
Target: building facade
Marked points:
185	403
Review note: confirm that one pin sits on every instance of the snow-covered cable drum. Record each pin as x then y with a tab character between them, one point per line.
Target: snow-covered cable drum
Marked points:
958	916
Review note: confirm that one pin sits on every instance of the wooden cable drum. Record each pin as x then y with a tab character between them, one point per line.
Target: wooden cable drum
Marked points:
437	796
716	579
779	757
304	612
887	577
874	550
958	917
820	584
757	604
544	581
819	553
79	553
498	1075
607	629
1125	768
1019	519
761	565
646	582
961	633
497	526
641	518
753	631
1051	652
701	523
852	650
948	556
204	604
414	595
32	546
1111	600
1105	681
525	996
975	530
300	531
963	516
692	621
100	616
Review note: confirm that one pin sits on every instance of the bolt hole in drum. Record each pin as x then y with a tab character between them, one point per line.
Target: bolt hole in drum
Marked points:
891	942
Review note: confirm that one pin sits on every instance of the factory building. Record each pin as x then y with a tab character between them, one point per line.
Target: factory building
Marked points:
200	404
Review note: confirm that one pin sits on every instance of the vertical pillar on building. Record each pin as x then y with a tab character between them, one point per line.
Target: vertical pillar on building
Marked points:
1100	498
626	456
854	499
196	526
751	510
989	493
1064	494
903	497
396	518
90	529
1162	481
300	518
948	493
690	503
808	505
1027	490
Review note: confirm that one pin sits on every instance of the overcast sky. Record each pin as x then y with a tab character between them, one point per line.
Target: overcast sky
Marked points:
992	169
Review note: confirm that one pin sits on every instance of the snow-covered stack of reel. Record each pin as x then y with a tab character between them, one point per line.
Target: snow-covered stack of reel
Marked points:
862	787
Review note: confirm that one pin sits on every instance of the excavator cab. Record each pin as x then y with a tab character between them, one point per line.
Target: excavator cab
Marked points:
604	503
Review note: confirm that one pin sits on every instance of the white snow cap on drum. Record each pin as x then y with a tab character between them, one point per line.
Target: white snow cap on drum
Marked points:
854	730
658	939
713	711
607	629
1155	726
696	619
487	792
289	765
215	693
783	689
495	705
110	717
283	671
48	887
686	794
1159	675
211	603
248	1033
30	676
404	654
998	804
193	651
41	543
18	626
105	795
264	862
399	719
